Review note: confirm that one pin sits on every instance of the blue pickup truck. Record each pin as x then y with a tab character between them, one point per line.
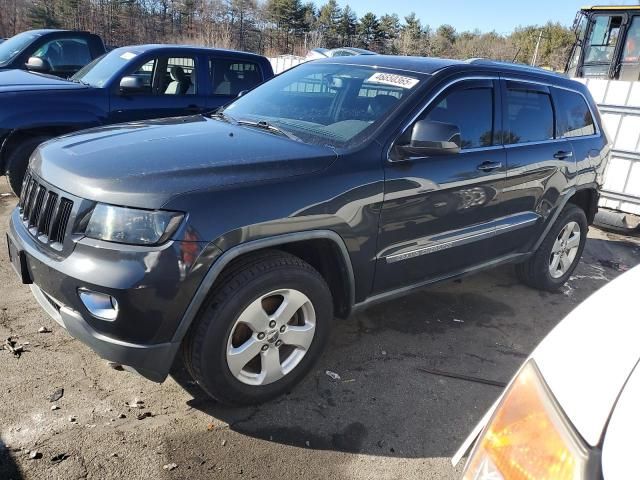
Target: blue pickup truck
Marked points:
56	52
126	84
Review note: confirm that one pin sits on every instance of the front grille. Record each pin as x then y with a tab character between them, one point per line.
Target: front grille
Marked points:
45	213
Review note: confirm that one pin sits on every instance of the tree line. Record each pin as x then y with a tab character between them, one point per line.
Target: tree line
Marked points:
274	27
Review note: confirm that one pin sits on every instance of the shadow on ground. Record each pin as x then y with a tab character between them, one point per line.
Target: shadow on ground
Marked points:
484	326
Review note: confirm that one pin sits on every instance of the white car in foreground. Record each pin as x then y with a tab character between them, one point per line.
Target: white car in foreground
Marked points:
573	409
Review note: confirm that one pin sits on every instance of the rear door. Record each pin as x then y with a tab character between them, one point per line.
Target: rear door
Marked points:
439	213
540	163
171	88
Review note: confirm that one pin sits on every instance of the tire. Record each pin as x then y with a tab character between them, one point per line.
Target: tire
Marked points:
18	161
251	287
537	271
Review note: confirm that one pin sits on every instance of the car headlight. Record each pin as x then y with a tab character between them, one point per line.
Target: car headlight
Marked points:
132	226
527	437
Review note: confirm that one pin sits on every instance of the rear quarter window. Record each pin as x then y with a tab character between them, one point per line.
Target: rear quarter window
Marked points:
574	116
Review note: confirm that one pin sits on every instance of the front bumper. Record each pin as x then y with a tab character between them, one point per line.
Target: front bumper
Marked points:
150	361
153	288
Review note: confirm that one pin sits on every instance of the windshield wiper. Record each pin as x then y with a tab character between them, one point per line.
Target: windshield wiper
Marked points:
269	127
81	82
219	114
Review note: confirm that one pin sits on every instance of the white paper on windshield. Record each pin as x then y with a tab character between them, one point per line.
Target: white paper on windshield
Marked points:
393	79
128	55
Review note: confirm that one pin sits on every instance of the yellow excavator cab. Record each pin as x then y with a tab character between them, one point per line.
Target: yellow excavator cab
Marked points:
607	43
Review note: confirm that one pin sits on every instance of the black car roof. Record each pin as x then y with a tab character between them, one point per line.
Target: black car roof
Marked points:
430	65
195	48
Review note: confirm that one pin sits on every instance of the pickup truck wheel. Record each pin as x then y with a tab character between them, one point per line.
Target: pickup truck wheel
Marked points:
18	161
559	253
261	330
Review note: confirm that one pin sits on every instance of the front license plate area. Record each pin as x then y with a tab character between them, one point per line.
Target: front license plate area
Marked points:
18	261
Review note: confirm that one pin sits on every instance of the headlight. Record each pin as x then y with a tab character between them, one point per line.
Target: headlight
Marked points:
527	437
132	226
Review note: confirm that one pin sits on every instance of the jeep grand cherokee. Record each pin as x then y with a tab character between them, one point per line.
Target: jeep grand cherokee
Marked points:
236	238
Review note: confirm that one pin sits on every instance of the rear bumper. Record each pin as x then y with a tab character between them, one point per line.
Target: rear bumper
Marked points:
150	361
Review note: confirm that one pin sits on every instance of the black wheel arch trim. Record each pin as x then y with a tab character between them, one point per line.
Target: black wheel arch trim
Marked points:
218	266
562	202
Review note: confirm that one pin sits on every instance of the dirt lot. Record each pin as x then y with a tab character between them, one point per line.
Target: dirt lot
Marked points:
384	419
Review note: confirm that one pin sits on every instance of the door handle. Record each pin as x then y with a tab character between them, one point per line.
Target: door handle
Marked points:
489	166
193	109
561	155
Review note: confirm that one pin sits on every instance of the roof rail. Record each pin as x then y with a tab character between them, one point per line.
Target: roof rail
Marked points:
479	60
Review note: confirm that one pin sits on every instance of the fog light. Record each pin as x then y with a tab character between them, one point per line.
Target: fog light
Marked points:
100	305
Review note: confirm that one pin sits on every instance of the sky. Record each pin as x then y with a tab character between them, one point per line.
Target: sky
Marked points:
503	16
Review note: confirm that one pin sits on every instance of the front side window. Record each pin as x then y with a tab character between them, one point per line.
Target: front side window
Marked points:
603	39
574	116
146	72
529	116
65	54
230	77
328	104
471	109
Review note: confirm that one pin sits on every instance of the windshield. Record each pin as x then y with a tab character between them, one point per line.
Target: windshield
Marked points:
98	72
328	104
11	48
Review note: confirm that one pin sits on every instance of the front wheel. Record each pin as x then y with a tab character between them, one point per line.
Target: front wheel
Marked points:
261	330
558	255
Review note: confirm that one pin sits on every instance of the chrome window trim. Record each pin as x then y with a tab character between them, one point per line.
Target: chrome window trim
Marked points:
502	145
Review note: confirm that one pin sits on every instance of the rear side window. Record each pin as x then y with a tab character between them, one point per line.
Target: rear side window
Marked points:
574	116
529	116
230	77
471	110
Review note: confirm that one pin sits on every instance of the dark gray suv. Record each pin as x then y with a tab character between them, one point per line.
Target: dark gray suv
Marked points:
236	238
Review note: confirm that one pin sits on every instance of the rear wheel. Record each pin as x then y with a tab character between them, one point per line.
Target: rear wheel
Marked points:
559	253
18	161
261	330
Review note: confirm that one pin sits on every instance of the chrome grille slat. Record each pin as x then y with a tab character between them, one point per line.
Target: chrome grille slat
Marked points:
45	213
25	184
27	199
45	220
38	198
60	224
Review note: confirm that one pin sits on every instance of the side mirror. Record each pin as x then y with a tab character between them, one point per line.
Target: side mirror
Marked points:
38	64
432	139
131	84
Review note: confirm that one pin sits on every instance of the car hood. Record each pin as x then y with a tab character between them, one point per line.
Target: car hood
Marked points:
21	80
145	164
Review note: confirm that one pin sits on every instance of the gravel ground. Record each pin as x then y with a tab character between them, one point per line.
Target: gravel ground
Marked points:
383	419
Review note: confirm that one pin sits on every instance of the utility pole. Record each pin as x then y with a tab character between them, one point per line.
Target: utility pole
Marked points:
535	53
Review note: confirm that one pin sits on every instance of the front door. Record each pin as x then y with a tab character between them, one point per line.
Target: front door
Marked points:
170	89
440	213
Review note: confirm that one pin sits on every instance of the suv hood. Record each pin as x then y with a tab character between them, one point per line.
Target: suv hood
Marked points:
145	164
21	80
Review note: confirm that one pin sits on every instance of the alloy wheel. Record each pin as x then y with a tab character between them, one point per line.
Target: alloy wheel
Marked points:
271	337
564	250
